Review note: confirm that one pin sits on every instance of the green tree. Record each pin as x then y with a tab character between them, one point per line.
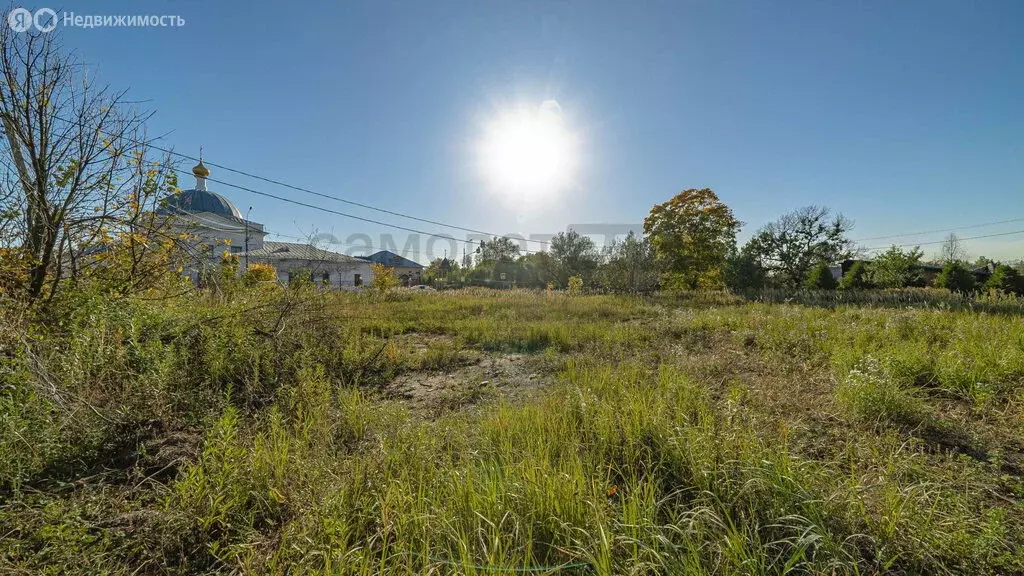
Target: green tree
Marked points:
575	255
1006	279
499	249
820	278
482	271
441	269
792	245
629	265
955	277
743	271
691	235
537	270
511	270
856	278
895	268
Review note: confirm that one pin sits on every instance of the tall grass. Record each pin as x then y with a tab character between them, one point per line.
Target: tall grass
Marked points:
689	434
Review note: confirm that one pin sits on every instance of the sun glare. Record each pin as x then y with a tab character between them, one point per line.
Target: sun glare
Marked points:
529	152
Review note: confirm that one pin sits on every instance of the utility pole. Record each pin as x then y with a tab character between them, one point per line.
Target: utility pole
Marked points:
246	255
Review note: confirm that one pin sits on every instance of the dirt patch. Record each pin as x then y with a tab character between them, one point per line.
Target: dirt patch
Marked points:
488	376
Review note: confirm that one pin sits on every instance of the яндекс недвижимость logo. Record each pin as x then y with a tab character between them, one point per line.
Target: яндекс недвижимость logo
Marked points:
21	19
46	20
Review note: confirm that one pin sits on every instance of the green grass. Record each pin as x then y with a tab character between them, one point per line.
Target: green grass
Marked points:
694	434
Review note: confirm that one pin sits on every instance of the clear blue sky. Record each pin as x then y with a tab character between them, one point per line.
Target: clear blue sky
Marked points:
905	116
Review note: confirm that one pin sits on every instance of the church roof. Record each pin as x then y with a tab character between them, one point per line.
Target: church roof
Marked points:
295	251
201	201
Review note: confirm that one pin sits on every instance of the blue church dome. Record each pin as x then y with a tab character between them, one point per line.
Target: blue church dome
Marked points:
201	201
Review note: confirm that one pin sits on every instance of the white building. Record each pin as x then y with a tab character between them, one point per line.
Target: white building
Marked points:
216	225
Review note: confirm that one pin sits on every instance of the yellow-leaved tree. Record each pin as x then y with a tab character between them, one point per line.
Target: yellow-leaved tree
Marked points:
384	278
692	235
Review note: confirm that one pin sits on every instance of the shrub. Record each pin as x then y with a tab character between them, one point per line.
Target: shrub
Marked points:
895	268
870	394
821	278
300	279
575	285
1006	279
257	273
955	277
384	278
856	278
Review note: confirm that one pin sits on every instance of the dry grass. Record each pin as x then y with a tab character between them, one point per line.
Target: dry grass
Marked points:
482	432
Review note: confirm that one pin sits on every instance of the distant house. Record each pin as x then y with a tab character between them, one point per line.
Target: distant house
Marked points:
408	272
322	266
928	271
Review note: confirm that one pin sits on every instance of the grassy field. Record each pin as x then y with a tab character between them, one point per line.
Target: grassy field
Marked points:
484	432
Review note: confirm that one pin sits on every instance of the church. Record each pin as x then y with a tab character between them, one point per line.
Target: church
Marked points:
215	225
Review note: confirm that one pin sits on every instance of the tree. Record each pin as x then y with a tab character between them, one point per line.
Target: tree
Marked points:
984	262
575	255
499	249
743	272
537	270
856	278
629	265
1006	279
384	278
895	268
441	269
952	250
77	172
792	245
482	271
820	278
955	277
691	235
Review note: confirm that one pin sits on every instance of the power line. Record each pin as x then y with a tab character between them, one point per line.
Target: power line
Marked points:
922	233
455	227
944	241
320	194
339	213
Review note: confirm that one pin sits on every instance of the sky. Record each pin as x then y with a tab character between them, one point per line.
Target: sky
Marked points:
904	116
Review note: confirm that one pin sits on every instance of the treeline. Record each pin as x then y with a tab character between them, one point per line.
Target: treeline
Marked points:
690	243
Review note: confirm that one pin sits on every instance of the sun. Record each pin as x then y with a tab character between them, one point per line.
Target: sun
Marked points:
529	152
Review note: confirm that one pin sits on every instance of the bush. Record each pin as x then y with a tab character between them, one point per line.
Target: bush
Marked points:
300	279
856	278
821	278
257	273
384	278
955	277
895	268
575	285
1006	279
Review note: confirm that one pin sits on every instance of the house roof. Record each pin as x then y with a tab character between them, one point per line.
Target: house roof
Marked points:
296	251
391	259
